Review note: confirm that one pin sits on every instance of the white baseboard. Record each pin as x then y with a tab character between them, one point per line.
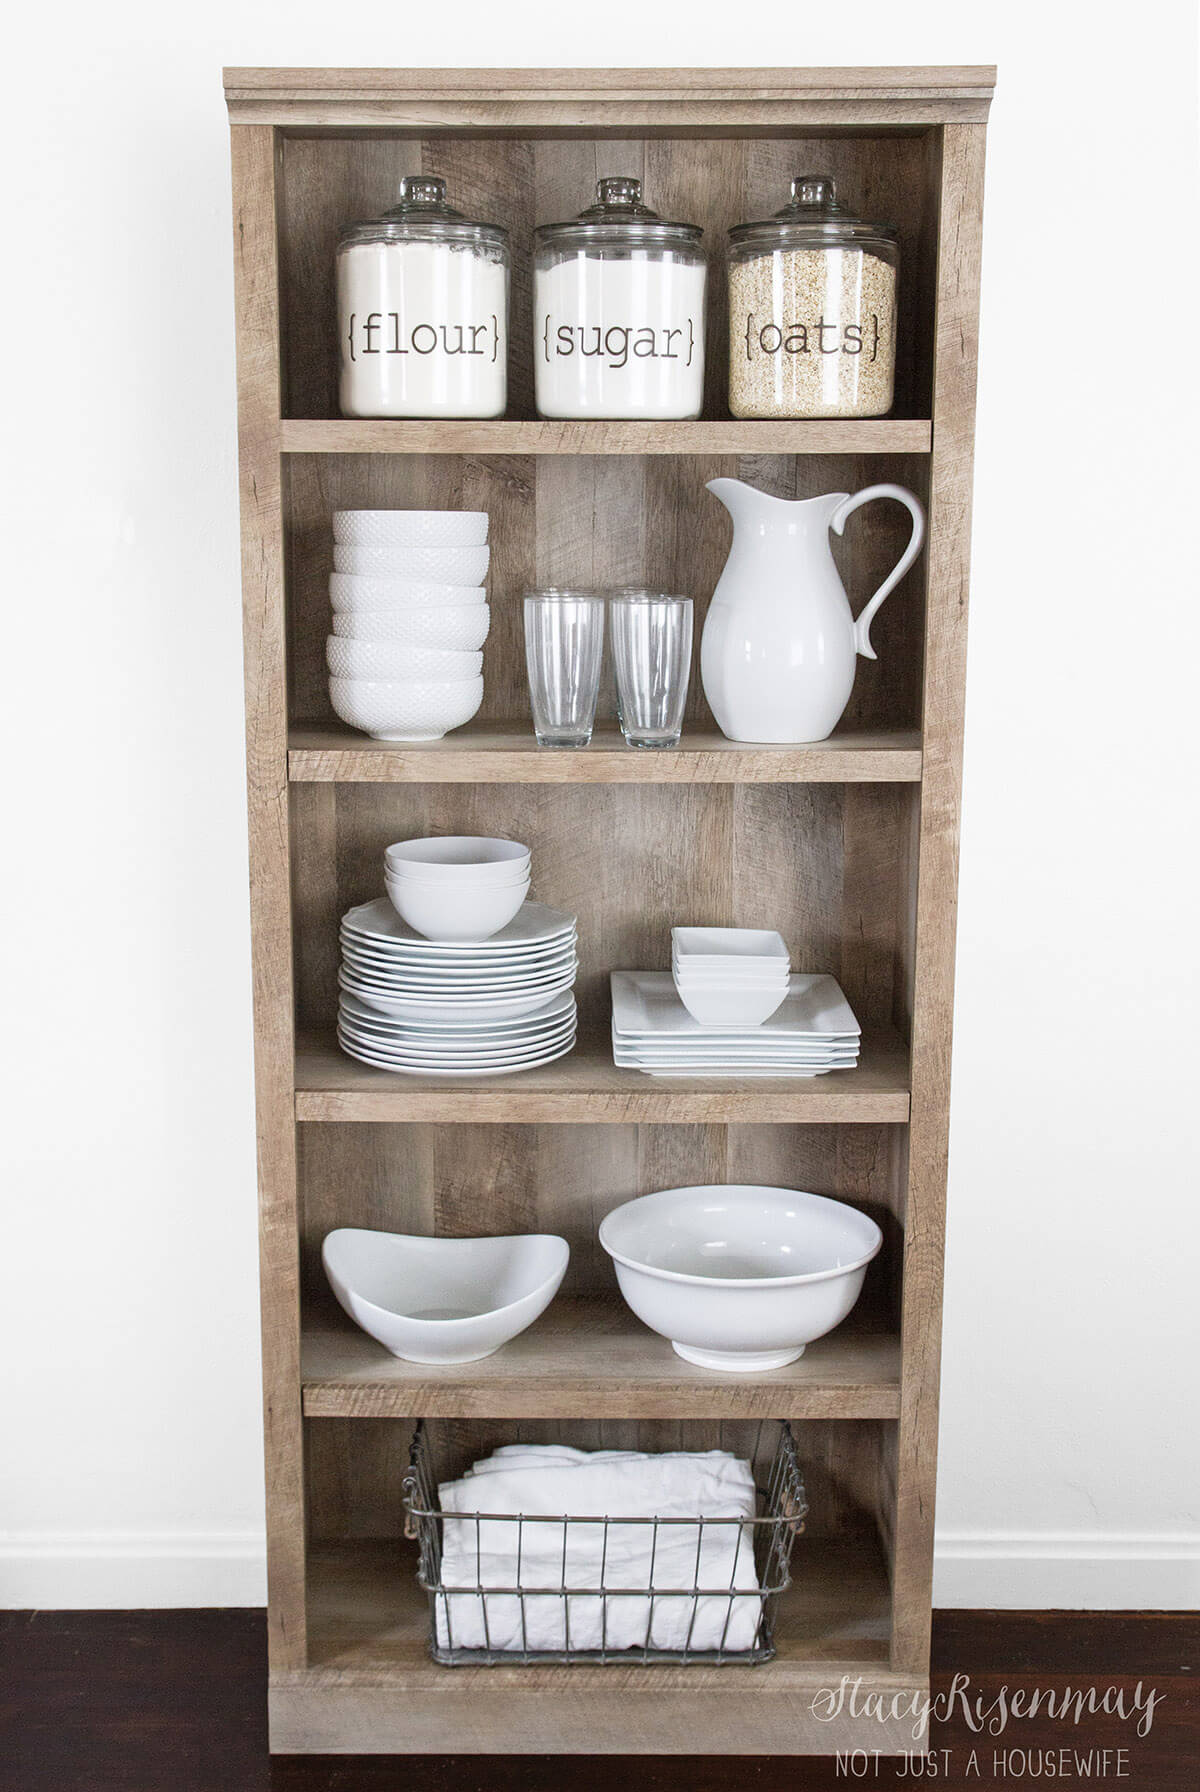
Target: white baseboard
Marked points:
119	1570
1068	1570
1034	1570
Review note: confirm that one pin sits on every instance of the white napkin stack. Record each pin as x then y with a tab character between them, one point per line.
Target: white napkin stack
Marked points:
553	1481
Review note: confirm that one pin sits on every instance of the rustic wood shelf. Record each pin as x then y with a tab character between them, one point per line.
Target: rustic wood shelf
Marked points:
500	753
590	1358
875	435
587	1086
847	846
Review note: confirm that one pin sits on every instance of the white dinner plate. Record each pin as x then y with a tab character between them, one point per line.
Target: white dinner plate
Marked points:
549	1013
478	1057
533	925
645	1004
389	1032
354	1050
451	1008
460	973
468	963
487	988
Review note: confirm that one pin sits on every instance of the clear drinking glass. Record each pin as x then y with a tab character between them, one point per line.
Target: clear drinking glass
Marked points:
652	656
564	641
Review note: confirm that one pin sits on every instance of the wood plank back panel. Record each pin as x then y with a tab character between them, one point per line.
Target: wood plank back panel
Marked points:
518	182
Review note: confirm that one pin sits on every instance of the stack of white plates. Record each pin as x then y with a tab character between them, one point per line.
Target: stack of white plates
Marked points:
813	1031
430	1007
409	619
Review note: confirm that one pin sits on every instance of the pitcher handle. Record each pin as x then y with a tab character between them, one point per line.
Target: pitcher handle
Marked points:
862	628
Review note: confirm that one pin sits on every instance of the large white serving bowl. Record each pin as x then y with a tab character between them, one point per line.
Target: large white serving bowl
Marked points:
405	709
397	659
411	528
460	628
445	912
443	566
458	859
350	592
443	1300
740	1277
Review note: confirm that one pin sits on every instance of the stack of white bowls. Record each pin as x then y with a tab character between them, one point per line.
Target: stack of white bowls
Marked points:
410	616
729	976
457	886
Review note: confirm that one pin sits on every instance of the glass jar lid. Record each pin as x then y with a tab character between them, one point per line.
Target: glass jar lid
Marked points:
422	216
813	219
619	219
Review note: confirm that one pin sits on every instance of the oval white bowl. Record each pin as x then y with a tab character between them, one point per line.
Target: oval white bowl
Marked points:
737	1276
443	566
411	528
443	1300
442	912
410	710
395	659
350	593
461	628
458	858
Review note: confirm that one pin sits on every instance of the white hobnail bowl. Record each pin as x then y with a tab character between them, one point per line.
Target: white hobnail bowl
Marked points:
443	1300
458	859
411	528
349	593
395	659
740	1277
405	709
441	912
444	566
461	628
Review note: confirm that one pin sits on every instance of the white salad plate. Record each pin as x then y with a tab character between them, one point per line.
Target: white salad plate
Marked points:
535	925
548	1014
354	1049
453	1008
647	1007
441	1059
432	987
500	965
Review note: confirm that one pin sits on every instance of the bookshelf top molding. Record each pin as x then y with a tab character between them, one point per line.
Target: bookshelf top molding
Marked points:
584	100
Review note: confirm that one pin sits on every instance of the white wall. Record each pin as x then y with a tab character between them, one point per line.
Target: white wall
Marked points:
128	1328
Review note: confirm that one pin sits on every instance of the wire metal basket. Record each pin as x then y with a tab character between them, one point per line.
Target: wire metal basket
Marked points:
738	1569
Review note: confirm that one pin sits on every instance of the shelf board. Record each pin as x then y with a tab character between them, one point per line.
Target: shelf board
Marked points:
587	1086
370	1684
507	753
873	435
591	1358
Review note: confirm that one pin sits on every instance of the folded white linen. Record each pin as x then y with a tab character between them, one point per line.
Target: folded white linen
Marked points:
485	1560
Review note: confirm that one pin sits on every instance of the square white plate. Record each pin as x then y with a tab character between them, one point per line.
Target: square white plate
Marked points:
647	1007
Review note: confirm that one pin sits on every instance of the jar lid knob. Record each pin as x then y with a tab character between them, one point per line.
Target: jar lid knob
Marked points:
618	189
813	189
422	189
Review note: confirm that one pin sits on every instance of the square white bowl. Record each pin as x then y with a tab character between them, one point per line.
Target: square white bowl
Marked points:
717	947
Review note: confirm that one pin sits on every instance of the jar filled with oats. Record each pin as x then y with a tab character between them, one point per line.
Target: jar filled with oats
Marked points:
812	310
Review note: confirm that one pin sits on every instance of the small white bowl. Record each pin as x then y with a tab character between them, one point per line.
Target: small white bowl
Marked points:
409	709
731	1005
461	629
441	912
443	1300
740	1277
444	566
395	659
411	528
727	947
459	859
350	593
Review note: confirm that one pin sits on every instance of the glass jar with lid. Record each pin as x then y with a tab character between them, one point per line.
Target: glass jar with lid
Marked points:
812	310
422	296
618	299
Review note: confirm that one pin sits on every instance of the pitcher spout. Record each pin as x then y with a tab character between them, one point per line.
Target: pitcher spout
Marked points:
742	501
746	504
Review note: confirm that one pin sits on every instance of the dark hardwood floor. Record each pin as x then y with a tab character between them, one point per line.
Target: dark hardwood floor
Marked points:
174	1702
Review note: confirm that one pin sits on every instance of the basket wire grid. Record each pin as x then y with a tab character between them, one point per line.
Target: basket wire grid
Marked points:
723	1624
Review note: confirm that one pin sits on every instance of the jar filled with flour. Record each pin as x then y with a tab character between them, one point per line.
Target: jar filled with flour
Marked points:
422	298
618	300
812	310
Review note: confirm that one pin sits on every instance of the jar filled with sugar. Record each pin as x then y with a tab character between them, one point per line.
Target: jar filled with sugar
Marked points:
618	298
422	295
812	310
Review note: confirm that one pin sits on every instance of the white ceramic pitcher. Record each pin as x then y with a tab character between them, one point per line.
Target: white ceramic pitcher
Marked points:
778	651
